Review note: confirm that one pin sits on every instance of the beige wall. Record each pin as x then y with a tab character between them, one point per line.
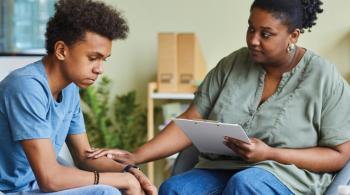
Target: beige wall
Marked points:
220	26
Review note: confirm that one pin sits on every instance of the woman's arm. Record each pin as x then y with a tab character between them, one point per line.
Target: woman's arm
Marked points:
167	142
316	159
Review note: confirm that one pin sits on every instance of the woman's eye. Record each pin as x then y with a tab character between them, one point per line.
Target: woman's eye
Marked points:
250	29
92	59
265	35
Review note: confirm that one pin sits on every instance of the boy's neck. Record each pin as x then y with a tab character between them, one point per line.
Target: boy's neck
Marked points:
55	76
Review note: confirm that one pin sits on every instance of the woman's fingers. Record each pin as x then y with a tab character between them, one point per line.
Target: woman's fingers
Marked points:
96	153
118	155
92	150
234	148
239	144
100	154
110	153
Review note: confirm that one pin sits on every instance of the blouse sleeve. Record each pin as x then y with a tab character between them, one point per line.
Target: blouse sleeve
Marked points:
335	115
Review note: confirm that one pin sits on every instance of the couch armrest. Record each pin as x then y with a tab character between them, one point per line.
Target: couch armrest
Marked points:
342	178
64	157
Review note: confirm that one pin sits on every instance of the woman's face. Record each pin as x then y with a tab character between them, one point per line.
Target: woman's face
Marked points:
267	38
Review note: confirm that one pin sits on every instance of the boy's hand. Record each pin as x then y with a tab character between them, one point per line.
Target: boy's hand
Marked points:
145	183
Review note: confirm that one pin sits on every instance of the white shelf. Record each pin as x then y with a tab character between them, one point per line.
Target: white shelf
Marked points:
177	96
151	98
172	157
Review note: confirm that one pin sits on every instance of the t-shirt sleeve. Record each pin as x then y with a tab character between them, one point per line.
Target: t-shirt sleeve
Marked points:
335	119
26	103
210	88
77	124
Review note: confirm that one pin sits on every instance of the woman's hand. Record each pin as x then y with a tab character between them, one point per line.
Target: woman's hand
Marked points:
145	183
118	155
255	151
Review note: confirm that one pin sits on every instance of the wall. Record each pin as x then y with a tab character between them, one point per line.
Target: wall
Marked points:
220	27
10	63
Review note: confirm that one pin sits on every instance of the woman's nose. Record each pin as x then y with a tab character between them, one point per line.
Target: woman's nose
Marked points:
253	39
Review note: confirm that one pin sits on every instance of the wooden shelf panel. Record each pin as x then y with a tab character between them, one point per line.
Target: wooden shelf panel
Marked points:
175	96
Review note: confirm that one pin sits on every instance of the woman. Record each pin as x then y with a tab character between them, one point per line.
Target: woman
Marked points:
292	103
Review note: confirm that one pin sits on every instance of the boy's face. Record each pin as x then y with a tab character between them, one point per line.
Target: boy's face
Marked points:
83	60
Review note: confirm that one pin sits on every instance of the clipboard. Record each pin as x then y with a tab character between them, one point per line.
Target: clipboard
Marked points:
208	136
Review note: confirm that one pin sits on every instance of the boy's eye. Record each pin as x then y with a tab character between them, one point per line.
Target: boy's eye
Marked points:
92	58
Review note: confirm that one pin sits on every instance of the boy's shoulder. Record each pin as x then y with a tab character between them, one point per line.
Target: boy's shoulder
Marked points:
29	78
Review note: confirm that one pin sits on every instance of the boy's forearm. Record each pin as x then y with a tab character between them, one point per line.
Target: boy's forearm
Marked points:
61	179
102	164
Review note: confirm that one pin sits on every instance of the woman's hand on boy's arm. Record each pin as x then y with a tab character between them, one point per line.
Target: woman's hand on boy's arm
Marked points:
118	155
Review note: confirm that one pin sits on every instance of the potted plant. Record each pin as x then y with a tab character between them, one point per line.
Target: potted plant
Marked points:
120	123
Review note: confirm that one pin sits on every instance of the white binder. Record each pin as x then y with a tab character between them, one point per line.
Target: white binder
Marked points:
208	136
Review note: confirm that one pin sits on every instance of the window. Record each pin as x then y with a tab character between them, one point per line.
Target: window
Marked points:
23	26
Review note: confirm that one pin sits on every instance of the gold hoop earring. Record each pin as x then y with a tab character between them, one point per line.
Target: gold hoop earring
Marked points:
291	48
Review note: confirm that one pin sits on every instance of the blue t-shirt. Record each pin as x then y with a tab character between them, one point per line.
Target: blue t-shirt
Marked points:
28	111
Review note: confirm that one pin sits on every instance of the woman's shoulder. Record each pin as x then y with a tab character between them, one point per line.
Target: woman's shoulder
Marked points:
237	57
318	63
321	66
241	54
323	71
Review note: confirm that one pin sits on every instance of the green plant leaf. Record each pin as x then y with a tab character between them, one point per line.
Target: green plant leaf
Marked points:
120	124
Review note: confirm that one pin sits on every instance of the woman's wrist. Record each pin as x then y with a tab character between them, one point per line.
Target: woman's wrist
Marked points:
137	157
130	166
272	154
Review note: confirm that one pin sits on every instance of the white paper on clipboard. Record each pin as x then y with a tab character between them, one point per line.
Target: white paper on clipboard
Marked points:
208	136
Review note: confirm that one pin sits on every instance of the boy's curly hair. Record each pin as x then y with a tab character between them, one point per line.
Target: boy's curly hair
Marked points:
73	18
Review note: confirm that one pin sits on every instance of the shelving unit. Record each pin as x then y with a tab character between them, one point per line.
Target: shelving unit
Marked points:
152	96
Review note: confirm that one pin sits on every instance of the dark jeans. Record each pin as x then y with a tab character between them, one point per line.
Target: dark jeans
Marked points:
203	181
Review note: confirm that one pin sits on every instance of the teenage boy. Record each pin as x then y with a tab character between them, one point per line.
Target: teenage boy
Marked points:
40	109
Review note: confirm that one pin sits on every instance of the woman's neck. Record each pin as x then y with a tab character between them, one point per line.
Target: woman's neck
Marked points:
276	71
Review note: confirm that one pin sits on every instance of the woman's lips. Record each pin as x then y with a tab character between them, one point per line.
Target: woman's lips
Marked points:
255	52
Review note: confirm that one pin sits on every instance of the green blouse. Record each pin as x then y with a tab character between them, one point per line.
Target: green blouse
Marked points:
310	108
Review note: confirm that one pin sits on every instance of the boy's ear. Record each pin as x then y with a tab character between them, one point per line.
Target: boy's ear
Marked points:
60	50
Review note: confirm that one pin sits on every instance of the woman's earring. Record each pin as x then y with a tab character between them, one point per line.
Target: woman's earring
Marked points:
291	48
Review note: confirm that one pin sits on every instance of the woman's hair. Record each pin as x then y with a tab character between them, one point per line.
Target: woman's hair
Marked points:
73	18
300	14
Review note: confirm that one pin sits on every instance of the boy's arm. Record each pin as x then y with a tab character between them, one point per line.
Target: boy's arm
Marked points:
51	176
78	144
